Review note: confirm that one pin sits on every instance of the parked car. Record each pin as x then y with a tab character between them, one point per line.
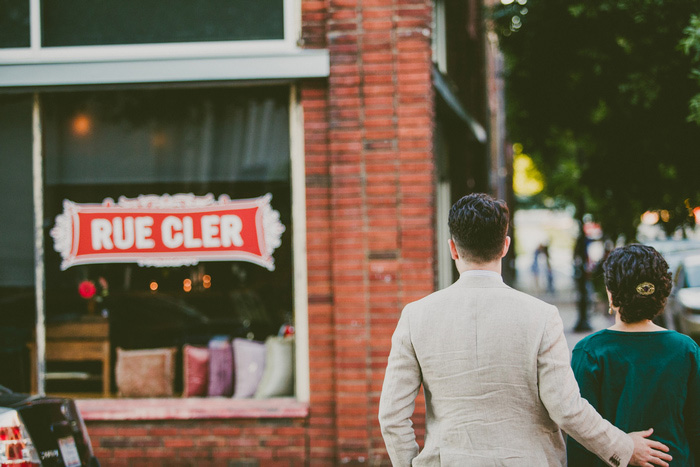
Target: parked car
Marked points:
674	250
684	302
42	431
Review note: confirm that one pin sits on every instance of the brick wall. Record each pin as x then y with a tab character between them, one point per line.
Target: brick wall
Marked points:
205	443
380	174
370	242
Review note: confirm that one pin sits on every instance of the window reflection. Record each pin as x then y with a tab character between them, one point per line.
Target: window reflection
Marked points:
129	143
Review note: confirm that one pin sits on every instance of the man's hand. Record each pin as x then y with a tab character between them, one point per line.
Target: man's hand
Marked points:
648	452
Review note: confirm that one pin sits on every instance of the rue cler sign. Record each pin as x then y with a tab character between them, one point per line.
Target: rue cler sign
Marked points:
168	230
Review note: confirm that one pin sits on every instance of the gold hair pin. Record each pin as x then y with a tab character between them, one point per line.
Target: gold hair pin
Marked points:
646	288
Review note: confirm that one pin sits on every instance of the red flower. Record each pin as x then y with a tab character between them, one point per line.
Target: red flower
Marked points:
87	289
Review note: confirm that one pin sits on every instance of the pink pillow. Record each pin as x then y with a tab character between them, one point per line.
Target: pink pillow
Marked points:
195	371
145	372
220	367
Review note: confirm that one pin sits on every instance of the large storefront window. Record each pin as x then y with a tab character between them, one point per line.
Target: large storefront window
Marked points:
208	327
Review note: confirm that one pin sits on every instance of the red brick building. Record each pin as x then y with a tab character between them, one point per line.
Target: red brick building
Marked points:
388	120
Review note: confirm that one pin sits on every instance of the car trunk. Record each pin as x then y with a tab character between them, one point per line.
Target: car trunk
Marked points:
55	428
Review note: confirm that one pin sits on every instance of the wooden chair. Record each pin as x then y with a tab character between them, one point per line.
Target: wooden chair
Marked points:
86	339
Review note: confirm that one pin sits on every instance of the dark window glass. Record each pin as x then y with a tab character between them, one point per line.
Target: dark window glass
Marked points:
14	23
130	143
16	215
191	137
16	240
106	22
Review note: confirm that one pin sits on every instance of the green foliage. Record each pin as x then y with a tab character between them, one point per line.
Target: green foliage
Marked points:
691	46
598	92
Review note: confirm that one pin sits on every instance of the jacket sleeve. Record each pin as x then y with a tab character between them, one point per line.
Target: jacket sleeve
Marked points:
401	384
560	395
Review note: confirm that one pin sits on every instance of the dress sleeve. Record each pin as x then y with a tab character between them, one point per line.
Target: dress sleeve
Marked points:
586	371
692	406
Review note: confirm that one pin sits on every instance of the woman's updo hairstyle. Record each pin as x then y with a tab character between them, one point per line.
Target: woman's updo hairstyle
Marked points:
639	281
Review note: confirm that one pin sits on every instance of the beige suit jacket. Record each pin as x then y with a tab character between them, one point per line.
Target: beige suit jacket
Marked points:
498	385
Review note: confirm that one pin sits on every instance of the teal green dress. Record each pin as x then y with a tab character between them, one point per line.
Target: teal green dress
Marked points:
641	380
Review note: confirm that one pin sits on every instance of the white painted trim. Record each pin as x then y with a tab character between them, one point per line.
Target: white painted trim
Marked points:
293	65
300	287
439	45
39	268
442	234
34	25
109	53
297	22
292	22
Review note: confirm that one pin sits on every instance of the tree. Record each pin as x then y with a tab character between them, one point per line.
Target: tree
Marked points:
598	92
691	46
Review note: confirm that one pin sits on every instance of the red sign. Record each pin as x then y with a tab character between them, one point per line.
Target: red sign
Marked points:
168	230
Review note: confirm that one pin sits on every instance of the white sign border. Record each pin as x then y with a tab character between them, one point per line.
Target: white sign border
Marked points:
268	225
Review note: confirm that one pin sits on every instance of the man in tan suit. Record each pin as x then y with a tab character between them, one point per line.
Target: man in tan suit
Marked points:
494	365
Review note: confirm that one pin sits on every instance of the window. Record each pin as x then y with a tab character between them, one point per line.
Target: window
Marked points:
100	145
108	141
86	42
104	22
47	24
14	23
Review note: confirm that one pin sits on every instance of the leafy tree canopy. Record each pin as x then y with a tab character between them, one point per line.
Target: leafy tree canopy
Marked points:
602	95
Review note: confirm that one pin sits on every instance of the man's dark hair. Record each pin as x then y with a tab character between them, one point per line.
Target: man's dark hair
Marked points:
630	272
478	225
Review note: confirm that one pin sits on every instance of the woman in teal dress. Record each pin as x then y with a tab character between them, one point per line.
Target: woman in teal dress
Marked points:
636	374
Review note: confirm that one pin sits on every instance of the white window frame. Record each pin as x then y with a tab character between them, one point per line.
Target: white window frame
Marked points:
299	253
299	263
35	53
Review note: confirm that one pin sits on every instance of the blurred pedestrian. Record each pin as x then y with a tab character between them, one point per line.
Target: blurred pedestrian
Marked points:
635	373
549	275
581	273
494	366
541	264
535	268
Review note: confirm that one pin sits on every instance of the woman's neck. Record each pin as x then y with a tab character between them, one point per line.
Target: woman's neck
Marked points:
640	326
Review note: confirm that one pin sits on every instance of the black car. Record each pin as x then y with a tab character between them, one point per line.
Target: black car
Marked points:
42	431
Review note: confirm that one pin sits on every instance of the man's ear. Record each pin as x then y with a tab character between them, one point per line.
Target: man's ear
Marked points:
453	249
506	246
